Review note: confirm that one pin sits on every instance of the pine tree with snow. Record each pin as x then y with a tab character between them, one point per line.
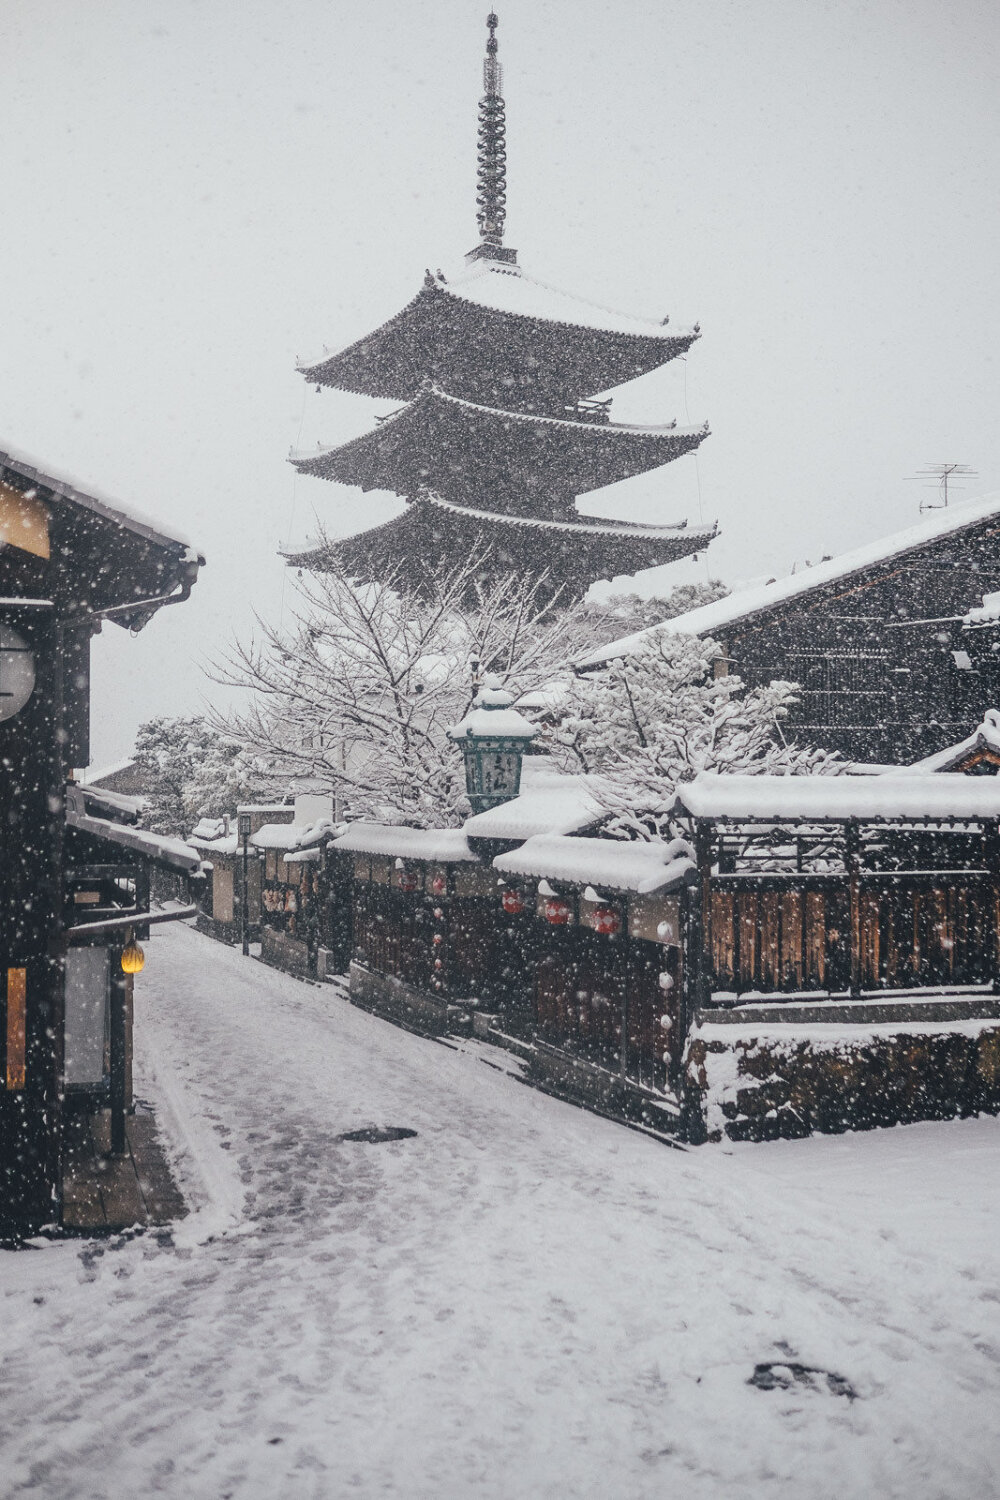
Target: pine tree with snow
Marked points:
656	718
192	771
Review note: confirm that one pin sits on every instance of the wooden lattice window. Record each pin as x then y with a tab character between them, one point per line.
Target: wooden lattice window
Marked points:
840	687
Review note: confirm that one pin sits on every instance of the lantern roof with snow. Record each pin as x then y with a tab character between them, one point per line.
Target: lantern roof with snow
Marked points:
493	717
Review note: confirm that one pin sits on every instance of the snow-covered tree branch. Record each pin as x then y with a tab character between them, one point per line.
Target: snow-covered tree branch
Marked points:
192	771
654	719
359	690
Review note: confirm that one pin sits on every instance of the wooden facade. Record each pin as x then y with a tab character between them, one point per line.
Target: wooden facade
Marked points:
68	561
813	890
429	923
797	934
604	998
600	981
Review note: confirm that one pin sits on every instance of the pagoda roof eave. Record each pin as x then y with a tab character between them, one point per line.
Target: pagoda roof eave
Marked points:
572	554
437	326
596	527
586	455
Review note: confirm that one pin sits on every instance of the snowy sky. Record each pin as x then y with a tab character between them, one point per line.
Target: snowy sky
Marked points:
197	193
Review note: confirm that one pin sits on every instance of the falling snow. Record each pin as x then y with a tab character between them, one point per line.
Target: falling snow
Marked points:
520	1299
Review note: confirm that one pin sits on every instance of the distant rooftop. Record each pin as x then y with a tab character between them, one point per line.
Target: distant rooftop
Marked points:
736	608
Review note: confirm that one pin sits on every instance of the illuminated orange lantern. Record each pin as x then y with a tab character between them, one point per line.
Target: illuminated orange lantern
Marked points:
133	959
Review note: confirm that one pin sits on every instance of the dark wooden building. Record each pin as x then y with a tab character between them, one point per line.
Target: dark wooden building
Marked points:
602	926
891	661
501	430
69	561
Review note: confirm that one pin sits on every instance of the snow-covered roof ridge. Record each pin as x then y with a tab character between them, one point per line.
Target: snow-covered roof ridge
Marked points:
987	613
441	845
609	864
208	830
510	289
549	802
914	796
98	773
665	431
577	424
69	488
586	526
177	854
986	736
590	525
224	844
277	836
125	809
709	618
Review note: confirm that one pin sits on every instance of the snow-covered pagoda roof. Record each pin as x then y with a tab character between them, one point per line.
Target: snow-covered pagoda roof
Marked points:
573	552
836	799
453	445
493	317
442	845
748	604
609	864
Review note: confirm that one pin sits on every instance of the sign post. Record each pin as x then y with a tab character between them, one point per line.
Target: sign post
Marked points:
244	832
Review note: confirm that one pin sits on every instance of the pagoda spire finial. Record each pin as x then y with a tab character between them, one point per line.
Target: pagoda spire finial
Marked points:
491	176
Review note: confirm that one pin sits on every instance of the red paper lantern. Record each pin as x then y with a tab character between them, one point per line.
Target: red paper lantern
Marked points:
606	920
408	880
556	912
512	902
439	885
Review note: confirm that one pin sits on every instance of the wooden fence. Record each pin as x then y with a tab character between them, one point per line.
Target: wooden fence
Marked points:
797	934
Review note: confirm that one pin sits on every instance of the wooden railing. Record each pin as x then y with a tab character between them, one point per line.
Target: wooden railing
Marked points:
790	934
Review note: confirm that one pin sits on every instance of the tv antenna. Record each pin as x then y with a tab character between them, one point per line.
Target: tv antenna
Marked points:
939	476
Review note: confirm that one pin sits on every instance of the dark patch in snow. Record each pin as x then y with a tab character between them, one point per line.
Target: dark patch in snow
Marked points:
374	1135
782	1375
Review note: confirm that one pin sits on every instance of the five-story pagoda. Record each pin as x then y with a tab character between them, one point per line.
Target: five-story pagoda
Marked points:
501	431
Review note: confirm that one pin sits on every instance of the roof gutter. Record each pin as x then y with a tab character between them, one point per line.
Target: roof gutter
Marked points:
137	919
158	601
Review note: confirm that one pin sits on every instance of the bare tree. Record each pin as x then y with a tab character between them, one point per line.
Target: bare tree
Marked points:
359	690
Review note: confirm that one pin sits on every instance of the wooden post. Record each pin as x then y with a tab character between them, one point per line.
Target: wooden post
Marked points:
245	902
992	841
118	1000
852	859
697	976
129	1043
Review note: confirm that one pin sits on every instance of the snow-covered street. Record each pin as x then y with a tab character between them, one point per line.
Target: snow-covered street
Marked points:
522	1300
